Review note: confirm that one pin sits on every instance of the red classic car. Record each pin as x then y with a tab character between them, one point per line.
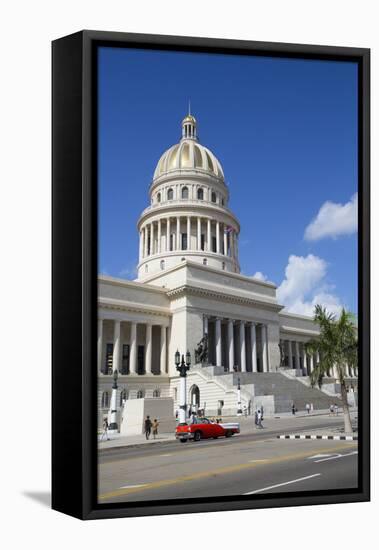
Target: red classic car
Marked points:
202	428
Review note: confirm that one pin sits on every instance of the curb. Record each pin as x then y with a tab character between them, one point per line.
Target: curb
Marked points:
334	437
131	445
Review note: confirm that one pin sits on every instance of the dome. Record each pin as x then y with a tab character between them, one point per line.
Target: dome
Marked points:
188	154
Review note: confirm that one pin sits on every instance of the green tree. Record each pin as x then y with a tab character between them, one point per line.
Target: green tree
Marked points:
337	347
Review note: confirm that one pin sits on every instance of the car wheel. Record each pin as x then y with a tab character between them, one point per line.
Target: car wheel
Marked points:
197	436
183	440
228	434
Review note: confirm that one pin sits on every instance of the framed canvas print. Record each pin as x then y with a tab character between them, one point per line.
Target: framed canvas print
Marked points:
210	275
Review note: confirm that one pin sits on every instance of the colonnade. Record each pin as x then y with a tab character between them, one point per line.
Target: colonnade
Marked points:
108	364
296	357
187	233
241	346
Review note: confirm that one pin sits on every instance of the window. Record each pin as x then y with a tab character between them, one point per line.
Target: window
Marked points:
182	259
105	400
185	193
205	261
157	393
200	194
140	394
172	241
214	197
108	359
223	265
202	242
170	194
222	202
125	359
214	243
123	397
162	264
184	241
159	197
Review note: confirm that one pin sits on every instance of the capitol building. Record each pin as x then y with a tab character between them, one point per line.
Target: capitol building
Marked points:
190	289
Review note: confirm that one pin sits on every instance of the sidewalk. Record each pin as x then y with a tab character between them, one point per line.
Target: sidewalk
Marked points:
289	423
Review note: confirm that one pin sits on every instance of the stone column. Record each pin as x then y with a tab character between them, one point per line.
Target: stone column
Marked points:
311	364
253	338
264	348
209	236
231	241
218	237
146	240
178	247
133	348
231	345
159	236
218	342
243	346
163	361
152	239
198	233
188	232
140	245
297	355
148	347
205	324
225	242
116	346
290	355
99	344
305	366
168	227
348	375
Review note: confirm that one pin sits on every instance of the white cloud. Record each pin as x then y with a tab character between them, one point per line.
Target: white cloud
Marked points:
259	275
304	286
334	220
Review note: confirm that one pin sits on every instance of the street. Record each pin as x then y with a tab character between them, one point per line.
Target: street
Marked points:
250	463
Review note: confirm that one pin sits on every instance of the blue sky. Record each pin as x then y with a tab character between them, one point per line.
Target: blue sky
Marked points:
285	132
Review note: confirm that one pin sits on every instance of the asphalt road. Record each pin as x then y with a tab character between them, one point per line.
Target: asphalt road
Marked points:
245	464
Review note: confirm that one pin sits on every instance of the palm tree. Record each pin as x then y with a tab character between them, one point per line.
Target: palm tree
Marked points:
337	347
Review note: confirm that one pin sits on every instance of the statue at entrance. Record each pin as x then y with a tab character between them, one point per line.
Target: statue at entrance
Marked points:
201	352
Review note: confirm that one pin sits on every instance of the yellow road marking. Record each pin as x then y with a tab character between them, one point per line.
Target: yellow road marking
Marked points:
210	473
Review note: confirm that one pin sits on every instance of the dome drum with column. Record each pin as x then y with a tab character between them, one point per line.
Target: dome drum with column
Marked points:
188	217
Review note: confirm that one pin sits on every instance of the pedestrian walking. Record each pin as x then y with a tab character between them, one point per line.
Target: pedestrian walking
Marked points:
155	427
105	430
293	409
336	409
148	425
308	408
259	419
331	410
262	411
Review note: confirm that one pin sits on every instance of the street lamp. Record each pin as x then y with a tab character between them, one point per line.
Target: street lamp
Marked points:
239	409
113	427
182	367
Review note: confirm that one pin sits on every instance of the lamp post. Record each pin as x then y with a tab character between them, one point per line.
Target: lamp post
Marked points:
239	409
113	427
183	366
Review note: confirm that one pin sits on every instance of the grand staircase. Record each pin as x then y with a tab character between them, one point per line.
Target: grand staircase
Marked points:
285	390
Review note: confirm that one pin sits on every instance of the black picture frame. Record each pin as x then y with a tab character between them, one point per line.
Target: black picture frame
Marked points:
74	272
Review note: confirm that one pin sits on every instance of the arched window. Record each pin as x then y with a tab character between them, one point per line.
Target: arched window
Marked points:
185	193
140	394
105	400
157	393
162	264
159	197
222	202
205	261
200	194
214	197
170	194
123	397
